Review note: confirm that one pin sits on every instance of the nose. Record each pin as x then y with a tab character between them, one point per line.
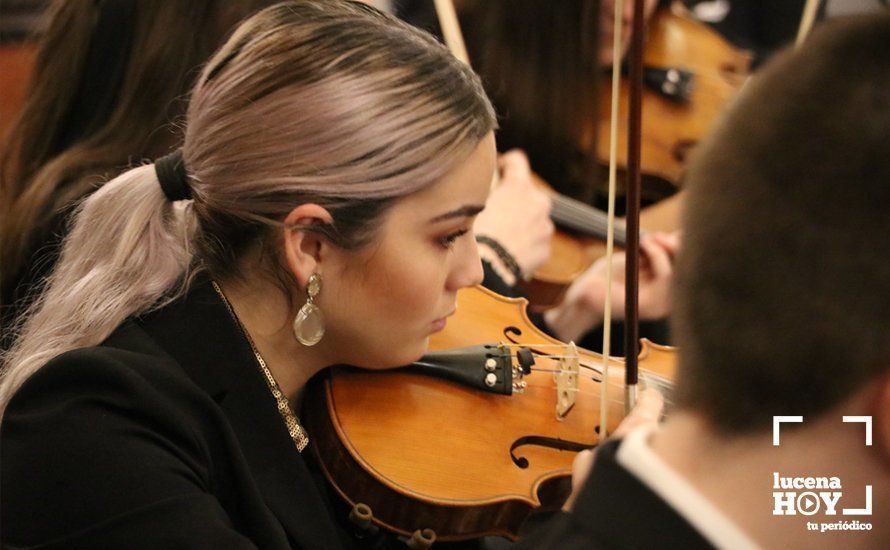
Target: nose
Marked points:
468	268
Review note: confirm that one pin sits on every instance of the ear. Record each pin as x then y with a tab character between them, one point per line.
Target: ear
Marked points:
880	414
305	250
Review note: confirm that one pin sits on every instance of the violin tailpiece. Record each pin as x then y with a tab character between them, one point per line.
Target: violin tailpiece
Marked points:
487	367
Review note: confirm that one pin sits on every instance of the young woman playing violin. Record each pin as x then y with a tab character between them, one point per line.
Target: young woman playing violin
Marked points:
319	212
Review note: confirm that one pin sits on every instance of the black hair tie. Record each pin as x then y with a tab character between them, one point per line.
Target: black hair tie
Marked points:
173	177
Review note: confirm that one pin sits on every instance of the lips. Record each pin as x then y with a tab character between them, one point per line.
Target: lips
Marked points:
440	323
449	314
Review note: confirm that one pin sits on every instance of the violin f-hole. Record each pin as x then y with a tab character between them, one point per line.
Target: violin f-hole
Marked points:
511	332
542	441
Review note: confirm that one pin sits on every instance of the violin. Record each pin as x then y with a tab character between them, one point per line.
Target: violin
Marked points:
691	73
471	441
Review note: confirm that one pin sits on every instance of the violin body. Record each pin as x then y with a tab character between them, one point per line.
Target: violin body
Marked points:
670	128
425	453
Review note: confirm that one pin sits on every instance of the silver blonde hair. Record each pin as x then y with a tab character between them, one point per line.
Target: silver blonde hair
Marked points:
309	101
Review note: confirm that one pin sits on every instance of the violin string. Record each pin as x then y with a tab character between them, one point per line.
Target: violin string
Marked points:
555	356
565	371
655	379
572	211
588	367
651	375
611	400
541	345
568	204
586	393
558	356
668	402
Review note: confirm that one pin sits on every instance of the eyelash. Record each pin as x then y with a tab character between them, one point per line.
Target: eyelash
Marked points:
448	240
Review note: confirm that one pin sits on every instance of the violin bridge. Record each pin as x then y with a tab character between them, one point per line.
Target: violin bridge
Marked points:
566	379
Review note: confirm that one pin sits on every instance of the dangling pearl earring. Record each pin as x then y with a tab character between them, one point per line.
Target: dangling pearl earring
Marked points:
309	322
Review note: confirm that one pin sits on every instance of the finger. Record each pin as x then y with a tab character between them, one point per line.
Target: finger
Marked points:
582	463
551	228
650	405
658	258
514	165
669	241
547	199
647	411
538	204
581	467
539	212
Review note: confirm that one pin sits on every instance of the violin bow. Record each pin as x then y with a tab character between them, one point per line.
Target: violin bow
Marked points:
610	232
454	39
810	9
633	189
632	219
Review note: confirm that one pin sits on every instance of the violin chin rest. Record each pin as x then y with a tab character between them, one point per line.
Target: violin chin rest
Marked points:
486	367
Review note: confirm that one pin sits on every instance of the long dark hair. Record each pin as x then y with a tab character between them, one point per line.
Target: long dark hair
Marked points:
538	61
109	78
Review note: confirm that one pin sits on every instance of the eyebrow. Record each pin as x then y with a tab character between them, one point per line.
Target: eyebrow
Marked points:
467	211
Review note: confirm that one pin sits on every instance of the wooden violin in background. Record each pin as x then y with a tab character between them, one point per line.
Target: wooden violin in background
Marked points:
468	459
691	73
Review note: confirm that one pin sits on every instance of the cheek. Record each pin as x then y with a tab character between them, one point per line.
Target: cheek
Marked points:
408	287
389	304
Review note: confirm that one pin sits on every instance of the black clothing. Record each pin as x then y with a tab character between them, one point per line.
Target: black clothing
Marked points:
163	436
615	510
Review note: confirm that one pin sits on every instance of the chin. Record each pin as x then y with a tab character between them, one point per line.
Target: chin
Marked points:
413	353
404	355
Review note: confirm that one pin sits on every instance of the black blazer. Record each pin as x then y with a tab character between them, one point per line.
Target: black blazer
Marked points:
615	510
164	436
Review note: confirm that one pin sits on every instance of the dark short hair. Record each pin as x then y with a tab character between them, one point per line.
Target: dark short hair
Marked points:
783	287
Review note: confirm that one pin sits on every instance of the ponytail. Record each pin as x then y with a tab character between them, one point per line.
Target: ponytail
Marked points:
127	253
290	111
